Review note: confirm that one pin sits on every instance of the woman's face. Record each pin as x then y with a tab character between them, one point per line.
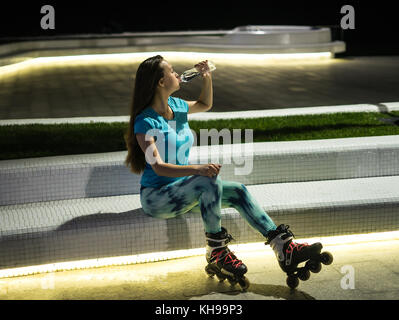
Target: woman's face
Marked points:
171	80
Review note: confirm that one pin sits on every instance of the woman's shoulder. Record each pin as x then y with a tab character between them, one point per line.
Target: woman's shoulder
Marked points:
145	122
147	117
147	114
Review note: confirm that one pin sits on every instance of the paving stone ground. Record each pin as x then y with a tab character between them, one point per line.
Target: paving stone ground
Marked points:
373	266
104	88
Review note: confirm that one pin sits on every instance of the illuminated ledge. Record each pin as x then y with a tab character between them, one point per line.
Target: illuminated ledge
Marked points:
244	39
161	256
283	43
11	66
92	228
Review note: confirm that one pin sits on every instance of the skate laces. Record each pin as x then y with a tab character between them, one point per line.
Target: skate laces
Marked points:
298	246
228	257
293	245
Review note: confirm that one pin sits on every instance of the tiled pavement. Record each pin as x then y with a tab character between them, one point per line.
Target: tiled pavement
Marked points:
104	88
360	271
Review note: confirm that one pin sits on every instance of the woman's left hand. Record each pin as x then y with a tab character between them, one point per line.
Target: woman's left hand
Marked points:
203	68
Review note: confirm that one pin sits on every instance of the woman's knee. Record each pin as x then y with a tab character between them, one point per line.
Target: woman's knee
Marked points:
234	186
210	182
234	194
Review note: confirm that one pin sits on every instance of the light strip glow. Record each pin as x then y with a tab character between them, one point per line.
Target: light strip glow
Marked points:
167	255
125	57
100	262
188	55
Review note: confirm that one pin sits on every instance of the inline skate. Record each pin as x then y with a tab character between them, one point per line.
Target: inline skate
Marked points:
290	254
222	262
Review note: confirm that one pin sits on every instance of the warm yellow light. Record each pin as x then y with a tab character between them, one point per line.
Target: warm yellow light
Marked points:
190	56
167	255
100	262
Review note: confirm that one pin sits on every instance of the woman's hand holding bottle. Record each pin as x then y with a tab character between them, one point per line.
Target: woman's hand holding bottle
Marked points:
203	68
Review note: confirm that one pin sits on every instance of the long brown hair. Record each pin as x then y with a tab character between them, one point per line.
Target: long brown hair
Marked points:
148	75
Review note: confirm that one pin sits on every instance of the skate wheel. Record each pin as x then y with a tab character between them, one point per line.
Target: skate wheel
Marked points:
326	258
313	266
244	283
304	275
221	277
292	282
209	272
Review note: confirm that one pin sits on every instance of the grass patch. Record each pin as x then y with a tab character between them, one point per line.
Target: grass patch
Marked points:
39	140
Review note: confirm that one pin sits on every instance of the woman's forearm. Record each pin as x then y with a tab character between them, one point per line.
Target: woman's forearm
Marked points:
174	171
206	95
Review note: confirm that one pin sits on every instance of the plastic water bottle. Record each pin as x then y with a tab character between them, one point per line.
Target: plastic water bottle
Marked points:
188	75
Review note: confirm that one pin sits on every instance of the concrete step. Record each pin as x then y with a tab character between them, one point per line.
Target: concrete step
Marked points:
103	175
57	231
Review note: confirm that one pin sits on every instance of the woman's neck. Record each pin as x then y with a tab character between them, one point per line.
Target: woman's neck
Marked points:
160	105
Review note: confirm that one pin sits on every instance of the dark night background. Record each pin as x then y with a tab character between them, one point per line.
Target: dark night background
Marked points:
376	23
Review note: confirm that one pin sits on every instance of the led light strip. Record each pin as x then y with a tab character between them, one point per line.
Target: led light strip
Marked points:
101	262
232	57
162	256
188	55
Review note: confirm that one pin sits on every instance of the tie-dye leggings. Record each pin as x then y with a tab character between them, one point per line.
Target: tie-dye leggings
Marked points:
208	195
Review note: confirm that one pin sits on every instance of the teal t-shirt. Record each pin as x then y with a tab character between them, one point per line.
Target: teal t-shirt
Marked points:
173	139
